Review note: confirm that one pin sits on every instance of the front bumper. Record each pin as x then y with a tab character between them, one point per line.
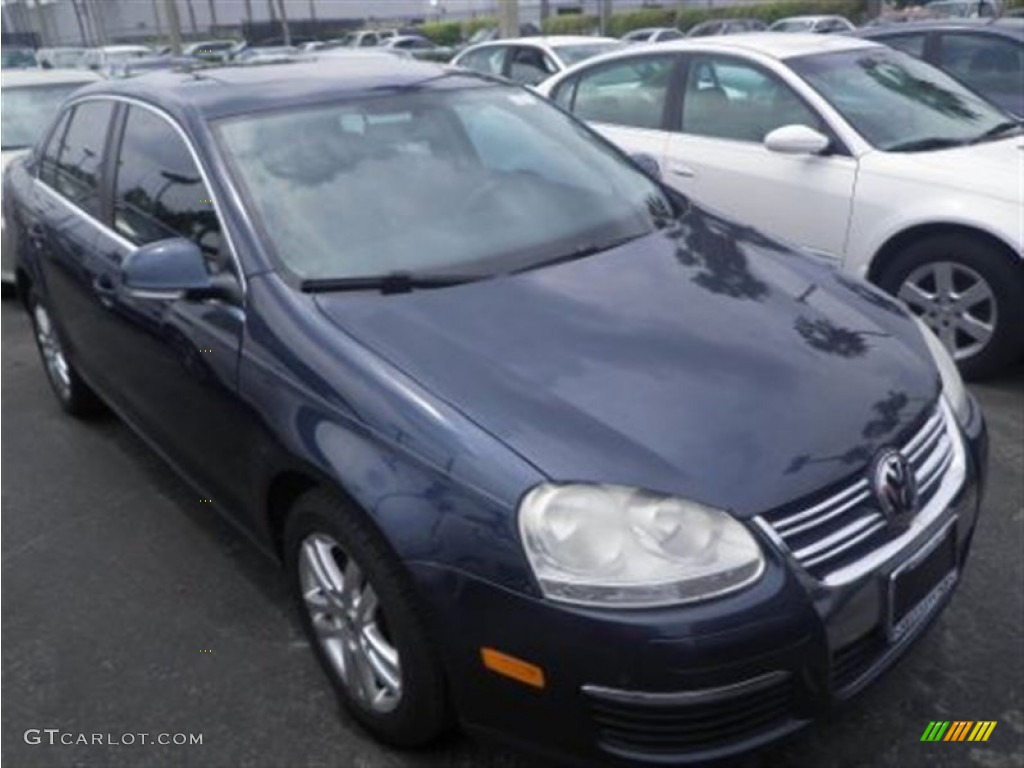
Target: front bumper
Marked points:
689	684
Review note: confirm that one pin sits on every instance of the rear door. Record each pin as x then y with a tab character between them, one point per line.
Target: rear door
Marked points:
729	104
627	100
72	206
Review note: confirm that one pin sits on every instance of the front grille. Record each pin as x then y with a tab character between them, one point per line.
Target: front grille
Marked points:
671	726
848	524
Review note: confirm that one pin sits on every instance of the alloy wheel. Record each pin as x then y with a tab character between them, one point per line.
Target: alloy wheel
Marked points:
349	624
56	364
956	302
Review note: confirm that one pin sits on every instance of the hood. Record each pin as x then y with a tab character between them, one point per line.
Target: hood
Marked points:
992	169
710	363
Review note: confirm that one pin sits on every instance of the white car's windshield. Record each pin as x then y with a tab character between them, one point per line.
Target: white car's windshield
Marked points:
793	25
899	103
28	110
475	181
573	54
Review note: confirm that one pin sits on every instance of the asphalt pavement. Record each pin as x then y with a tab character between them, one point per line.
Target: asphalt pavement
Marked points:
129	608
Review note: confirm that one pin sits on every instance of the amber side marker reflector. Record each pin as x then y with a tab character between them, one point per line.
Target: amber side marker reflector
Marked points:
510	666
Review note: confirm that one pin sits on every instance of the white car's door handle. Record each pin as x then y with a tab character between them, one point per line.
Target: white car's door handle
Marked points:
679	169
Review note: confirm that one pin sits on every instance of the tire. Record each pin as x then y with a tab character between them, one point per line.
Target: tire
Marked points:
969	293
73	394
328	542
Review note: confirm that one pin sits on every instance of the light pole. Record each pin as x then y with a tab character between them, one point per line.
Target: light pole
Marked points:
173	25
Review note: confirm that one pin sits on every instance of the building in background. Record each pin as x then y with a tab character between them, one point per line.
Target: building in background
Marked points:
104	22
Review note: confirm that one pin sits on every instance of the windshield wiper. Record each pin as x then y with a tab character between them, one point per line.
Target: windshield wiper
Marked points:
994	132
922	145
580	252
392	282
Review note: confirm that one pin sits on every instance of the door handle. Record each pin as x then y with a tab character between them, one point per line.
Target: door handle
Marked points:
681	169
105	289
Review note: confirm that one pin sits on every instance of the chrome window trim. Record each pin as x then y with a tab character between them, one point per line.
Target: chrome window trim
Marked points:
698	696
195	158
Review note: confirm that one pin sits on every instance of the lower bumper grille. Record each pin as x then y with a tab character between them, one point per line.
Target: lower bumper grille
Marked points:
667	723
854	659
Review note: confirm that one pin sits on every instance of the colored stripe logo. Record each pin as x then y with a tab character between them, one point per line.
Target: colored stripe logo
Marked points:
958	730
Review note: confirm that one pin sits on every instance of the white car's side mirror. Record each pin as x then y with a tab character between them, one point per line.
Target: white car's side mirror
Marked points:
796	140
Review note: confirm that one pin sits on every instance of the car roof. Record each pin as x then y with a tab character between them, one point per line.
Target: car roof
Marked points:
222	91
985	26
771	44
549	40
817	17
15	78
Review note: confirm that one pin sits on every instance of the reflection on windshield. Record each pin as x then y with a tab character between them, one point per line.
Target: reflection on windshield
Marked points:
27	112
897	102
474	180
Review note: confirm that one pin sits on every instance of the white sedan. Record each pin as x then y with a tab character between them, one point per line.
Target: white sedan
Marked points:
30	100
529	60
859	153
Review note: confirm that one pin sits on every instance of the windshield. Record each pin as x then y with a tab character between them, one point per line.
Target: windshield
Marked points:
27	112
474	181
897	102
793	25
573	54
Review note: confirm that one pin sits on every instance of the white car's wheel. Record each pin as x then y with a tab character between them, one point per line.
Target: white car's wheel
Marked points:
969	293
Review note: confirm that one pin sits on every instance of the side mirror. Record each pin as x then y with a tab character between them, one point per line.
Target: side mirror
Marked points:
167	269
647	164
796	140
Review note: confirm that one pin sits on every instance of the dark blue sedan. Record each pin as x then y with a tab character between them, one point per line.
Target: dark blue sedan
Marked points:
545	448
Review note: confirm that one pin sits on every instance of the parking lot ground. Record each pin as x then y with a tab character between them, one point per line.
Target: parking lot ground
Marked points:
128	607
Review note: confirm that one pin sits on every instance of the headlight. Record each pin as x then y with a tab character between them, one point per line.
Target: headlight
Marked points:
619	547
952	383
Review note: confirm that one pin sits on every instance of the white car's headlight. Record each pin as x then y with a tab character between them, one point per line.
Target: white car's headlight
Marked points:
952	383
607	545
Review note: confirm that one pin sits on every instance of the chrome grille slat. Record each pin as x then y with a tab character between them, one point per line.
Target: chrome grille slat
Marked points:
860	498
848	544
926	485
830	534
808	553
923	434
861	485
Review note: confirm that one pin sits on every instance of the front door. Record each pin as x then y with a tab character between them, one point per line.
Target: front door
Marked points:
718	157
177	375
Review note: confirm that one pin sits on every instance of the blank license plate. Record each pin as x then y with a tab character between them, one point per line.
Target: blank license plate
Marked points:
917	587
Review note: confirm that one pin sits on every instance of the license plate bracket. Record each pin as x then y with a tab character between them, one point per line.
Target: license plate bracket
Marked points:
917	586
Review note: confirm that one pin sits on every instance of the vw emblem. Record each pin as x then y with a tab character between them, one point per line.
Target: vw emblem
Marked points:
895	486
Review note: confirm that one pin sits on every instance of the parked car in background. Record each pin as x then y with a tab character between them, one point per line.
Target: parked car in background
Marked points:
265	54
210	50
652	35
136	67
30	99
61	58
419	47
15	57
816	24
110	59
545	449
531	60
963	9
913	180
726	27
987	56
